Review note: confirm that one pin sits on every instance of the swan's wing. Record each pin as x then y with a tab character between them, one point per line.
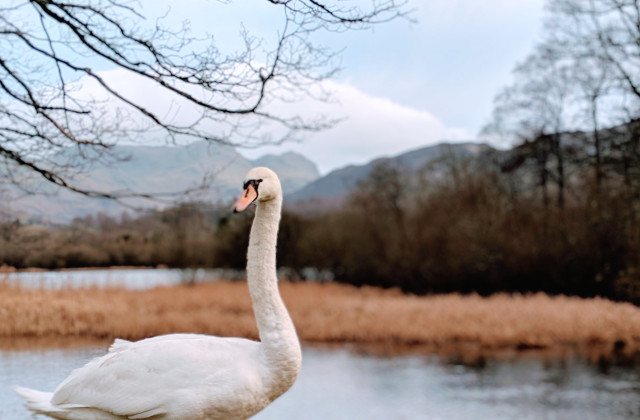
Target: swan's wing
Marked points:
150	377
109	383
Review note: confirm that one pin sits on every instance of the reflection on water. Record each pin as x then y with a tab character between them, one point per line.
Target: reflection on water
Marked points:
340	384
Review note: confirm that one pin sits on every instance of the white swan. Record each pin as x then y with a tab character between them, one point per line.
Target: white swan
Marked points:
191	376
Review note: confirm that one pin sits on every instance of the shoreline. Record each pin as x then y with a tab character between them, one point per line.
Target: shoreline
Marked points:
467	354
5	269
373	320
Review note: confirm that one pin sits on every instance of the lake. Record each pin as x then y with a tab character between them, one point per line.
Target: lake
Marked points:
136	278
339	383
343	384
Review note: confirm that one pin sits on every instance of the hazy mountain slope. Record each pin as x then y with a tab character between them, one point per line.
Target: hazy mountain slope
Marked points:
334	186
165	169
294	170
158	170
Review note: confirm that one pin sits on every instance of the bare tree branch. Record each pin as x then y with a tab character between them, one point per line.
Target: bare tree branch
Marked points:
52	50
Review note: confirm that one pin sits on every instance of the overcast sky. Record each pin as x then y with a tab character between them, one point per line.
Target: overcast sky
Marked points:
403	85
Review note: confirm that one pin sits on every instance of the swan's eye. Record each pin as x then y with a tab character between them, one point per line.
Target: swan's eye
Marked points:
253	182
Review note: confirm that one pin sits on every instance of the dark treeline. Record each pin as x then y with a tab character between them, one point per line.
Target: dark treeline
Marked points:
471	232
482	225
475	224
182	236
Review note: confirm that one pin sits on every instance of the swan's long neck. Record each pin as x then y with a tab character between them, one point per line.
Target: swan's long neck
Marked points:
279	342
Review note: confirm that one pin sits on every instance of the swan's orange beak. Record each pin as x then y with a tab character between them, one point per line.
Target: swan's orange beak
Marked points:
249	195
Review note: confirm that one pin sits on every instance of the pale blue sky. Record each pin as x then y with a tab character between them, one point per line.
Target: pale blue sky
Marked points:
403	85
451	62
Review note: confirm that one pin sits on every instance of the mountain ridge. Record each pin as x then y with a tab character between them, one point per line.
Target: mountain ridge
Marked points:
334	186
212	172
167	169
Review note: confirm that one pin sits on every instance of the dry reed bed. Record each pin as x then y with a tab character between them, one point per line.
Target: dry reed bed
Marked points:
329	313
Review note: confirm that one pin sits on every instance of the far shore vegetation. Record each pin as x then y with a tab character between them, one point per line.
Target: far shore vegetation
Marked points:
457	225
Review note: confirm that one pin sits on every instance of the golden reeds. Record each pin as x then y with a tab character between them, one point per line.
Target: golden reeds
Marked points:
328	313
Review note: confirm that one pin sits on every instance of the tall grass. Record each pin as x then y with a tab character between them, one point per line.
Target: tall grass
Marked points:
325	313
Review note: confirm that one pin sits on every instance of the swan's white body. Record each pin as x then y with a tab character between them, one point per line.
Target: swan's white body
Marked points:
191	376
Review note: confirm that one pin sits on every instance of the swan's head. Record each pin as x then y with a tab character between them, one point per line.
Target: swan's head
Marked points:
260	184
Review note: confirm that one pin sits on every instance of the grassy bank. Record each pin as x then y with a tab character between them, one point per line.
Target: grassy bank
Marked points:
327	313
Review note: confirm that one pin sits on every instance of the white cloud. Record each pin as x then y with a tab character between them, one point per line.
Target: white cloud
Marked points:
372	127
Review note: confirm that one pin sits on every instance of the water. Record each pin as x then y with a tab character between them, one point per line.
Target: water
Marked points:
140	278
342	384
128	278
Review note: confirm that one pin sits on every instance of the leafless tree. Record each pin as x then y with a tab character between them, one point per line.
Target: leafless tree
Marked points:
602	38
583	77
610	29
51	50
533	113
